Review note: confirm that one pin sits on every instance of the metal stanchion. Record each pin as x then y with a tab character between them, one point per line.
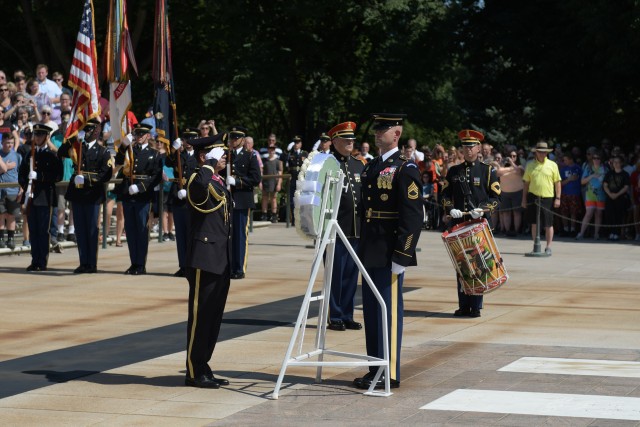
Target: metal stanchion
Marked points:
537	248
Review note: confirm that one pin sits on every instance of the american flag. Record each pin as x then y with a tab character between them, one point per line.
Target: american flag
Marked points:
83	77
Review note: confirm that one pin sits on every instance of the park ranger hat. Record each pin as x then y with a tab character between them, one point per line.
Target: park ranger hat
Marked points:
382	121
344	130
470	137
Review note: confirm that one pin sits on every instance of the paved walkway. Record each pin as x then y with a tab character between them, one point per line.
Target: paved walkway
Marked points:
108	349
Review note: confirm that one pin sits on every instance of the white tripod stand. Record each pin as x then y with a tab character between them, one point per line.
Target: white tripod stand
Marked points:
334	184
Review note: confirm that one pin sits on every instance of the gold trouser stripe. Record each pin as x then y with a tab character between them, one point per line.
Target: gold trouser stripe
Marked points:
393	348
246	243
194	323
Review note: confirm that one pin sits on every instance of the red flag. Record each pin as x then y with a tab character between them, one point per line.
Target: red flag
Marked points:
83	78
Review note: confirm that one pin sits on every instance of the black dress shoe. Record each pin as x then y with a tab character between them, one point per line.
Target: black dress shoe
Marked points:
90	269
365	382
139	270
350	324
179	273
465	311
81	269
201	382
237	275
131	269
474	313
336	325
220	381
31	268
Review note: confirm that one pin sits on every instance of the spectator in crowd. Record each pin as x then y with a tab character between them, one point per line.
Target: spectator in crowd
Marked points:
541	185
41	98
510	175
487	152
207	128
417	156
3	77
29	105
616	187
594	200
57	110
364	151
571	199
272	165
58	79
47	87
21	84
10	196
45	113
5	99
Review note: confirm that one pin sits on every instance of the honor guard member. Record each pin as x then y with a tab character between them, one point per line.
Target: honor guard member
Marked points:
142	173
207	261
294	160
344	278
42	173
86	192
470	188
323	144
183	152
245	176
392	220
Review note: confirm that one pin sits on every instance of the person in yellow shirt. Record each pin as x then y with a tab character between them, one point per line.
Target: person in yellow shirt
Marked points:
541	180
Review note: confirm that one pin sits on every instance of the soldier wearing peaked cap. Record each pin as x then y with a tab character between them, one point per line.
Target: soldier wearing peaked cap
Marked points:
471	186
391	211
142	174
344	279
207	260
86	192
181	152
323	144
245	176
40	169
294	160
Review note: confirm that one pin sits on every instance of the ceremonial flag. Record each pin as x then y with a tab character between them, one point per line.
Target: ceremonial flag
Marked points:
83	78
118	56
164	105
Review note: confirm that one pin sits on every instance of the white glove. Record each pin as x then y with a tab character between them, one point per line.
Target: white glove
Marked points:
78	180
231	181
133	189
396	268
177	144
33	174
127	140
455	213
476	213
182	194
215	153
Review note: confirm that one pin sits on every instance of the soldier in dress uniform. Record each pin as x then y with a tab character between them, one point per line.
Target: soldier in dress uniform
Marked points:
141	175
391	211
470	188
245	176
294	162
181	151
344	278
86	192
46	171
208	258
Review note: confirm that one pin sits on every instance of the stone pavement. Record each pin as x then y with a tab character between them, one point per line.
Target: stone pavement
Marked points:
108	349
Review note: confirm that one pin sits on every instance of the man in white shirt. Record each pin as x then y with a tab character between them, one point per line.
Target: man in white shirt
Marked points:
49	87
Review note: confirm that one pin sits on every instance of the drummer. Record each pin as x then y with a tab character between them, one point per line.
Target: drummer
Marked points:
470	190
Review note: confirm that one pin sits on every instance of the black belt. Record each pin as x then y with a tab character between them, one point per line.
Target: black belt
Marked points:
370	213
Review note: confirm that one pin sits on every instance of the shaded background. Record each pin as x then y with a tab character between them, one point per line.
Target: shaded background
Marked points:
517	70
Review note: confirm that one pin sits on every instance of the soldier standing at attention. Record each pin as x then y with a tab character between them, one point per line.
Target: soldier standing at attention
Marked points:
142	173
181	151
294	161
344	279
46	171
392	220
86	193
207	262
245	176
471	186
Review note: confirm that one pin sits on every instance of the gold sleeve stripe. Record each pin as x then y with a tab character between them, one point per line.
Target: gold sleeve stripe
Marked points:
402	253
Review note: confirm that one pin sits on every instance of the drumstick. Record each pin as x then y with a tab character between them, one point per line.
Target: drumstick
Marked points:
448	217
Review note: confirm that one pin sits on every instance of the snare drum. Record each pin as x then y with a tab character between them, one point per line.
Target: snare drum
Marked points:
475	257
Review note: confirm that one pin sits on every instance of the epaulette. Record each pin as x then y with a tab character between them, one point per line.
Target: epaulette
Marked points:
402	157
484	162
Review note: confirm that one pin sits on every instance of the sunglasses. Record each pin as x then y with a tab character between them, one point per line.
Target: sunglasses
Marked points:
45	113
4	89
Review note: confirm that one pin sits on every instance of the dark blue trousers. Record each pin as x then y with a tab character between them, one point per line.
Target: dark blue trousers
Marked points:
136	215
240	241
180	224
390	287
85	220
474	302
39	221
344	281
